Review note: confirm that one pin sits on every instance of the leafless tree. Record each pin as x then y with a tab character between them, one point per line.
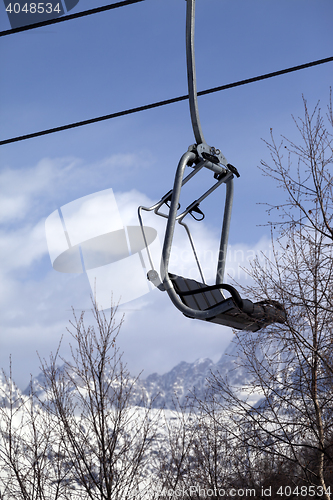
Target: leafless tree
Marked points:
170	465
197	454
291	365
31	458
105	439
78	434
211	460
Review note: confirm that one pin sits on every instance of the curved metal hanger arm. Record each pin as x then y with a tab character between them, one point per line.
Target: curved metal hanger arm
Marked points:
191	75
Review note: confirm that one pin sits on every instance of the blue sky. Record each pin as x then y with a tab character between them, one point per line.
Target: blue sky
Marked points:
121	59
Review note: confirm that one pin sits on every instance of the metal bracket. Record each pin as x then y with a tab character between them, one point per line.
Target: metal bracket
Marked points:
211	154
154	278
194	207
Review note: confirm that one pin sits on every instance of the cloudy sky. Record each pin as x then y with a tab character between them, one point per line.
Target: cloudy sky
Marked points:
117	60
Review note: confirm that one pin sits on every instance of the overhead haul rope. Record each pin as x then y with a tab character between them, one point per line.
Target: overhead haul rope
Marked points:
165	102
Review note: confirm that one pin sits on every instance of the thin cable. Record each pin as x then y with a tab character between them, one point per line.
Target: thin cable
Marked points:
267	75
67	18
164	103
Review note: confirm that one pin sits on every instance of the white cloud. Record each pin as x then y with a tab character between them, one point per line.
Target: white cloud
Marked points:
127	161
12	207
36	301
21	247
21	188
55	179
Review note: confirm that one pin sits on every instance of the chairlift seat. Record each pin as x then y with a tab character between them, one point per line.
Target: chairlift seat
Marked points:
194	299
241	314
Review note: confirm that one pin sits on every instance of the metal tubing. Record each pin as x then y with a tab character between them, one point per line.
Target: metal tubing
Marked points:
144	234
180	217
194	251
187	178
186	158
167	283
191	76
158	205
225	231
225	179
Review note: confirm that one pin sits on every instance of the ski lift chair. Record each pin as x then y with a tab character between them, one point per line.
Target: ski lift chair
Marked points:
195	299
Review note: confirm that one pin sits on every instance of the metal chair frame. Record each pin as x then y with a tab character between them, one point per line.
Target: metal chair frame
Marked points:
226	178
243	314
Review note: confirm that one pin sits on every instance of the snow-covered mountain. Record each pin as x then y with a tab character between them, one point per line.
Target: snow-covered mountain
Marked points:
10	394
164	391
173	387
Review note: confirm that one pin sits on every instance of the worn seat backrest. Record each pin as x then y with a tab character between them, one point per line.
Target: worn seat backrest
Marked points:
245	316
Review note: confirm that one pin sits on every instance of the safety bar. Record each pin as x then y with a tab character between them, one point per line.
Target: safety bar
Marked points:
156	207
